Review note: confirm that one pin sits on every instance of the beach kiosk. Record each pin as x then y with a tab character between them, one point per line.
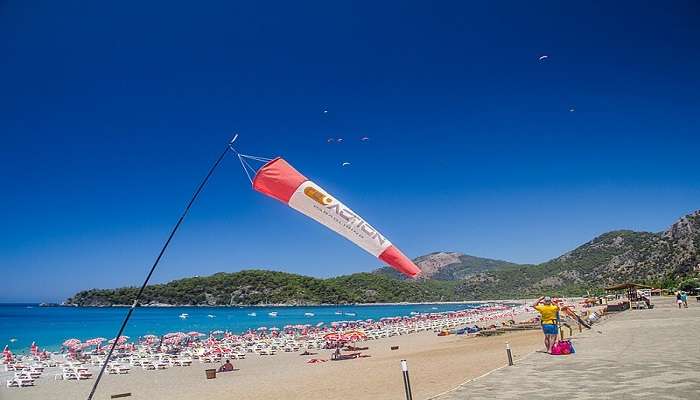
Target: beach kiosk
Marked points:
638	296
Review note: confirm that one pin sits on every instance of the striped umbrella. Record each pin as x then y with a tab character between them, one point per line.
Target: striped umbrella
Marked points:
94	341
71	342
354	336
121	340
332	337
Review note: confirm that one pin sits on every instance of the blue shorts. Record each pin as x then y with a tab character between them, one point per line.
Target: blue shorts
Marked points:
550	329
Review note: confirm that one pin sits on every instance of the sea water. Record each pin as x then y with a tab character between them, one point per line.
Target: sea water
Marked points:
20	324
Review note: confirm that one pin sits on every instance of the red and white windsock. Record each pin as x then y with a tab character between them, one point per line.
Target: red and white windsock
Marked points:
281	181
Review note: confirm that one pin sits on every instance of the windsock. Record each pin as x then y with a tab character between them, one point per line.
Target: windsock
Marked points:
279	180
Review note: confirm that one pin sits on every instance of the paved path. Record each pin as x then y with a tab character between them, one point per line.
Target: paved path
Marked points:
640	354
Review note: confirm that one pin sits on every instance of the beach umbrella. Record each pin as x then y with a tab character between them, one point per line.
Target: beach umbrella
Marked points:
332	337
262	328
173	340
149	339
94	341
71	342
195	334
218	333
74	349
354	336
120	340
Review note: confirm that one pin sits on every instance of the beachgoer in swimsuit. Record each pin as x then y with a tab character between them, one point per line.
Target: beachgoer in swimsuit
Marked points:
227	367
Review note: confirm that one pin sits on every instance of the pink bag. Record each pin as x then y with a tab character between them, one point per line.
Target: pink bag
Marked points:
563	347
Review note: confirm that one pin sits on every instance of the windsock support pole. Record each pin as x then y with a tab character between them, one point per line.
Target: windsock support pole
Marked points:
155	264
406	380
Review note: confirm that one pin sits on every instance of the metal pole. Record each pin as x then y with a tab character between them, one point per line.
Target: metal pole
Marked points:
406	380
561	332
510	354
155	264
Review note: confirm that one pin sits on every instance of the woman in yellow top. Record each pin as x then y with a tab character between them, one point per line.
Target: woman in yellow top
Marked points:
549	315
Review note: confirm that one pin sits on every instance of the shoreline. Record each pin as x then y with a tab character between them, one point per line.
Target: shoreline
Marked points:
437	364
162	305
235	320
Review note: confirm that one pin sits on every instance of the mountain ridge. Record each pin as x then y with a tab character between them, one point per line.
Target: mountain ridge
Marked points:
661	259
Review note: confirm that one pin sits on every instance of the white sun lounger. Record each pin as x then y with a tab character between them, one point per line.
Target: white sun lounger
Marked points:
16	382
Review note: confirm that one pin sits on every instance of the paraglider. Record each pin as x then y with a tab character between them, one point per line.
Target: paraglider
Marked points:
542	58
345	164
279	180
572	109
340	140
364	138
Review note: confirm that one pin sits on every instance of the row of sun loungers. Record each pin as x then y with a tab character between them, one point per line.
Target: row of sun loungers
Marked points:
25	375
149	357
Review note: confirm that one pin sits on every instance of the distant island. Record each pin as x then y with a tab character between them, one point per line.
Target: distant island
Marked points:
666	259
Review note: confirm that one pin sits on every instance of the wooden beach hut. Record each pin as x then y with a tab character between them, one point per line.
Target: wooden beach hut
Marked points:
631	292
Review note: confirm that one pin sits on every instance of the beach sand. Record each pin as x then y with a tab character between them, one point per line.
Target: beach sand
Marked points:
436	364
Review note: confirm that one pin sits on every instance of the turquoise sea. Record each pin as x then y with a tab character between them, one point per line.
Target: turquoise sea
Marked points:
20	324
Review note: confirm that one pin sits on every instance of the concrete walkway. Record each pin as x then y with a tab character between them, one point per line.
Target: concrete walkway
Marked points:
640	354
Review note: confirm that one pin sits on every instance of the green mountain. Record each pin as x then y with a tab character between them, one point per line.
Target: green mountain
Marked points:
660	259
271	287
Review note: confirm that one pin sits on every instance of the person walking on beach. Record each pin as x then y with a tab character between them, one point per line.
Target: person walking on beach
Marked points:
549	316
679	299
684	299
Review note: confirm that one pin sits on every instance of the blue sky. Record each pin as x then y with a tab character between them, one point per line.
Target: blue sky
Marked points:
111	113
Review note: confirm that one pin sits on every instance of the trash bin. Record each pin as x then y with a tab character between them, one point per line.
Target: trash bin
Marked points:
211	373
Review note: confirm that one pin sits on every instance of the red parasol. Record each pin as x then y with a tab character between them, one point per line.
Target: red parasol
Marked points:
71	342
121	340
354	336
332	337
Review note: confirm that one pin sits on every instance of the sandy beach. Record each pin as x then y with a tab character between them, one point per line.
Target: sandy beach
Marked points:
437	364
